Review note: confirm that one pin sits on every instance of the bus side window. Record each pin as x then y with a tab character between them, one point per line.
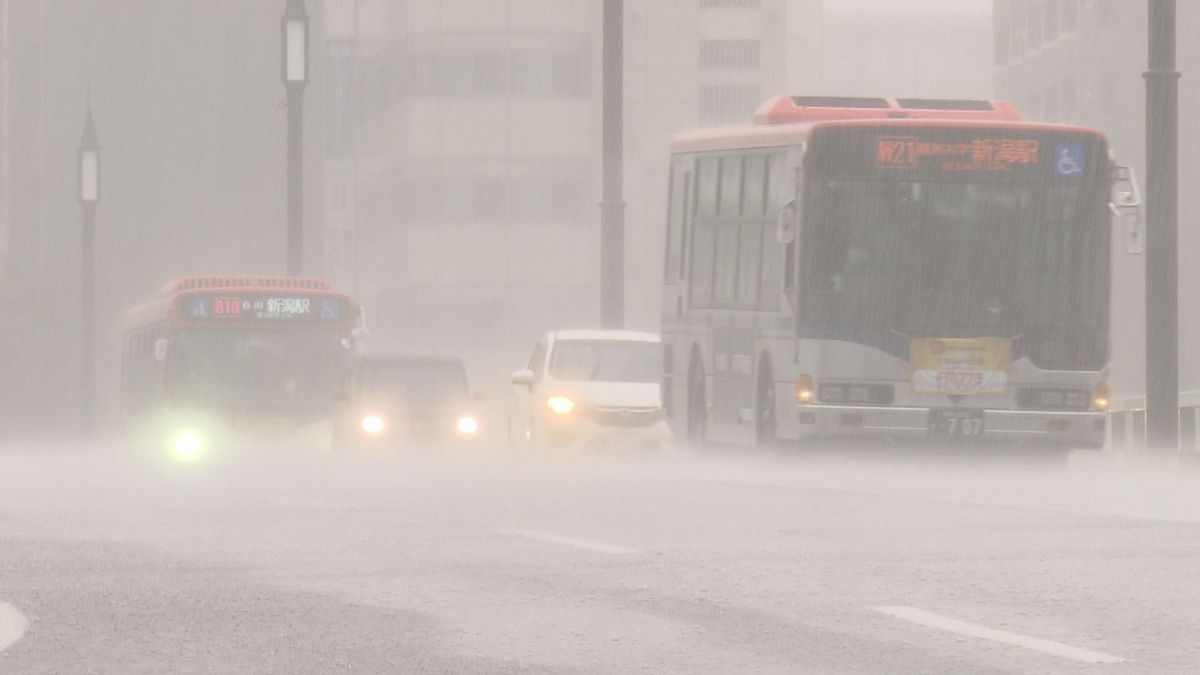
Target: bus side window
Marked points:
706	188
676	220
726	263
777	259
731	186
703	245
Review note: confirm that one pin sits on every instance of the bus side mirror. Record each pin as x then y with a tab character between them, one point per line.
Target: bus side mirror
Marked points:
1126	194
160	349
1126	198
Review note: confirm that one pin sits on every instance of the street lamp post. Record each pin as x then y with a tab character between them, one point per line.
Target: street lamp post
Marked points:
295	76
612	208
1162	231
89	196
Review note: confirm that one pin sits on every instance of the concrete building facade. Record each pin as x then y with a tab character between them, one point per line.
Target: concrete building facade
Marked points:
477	146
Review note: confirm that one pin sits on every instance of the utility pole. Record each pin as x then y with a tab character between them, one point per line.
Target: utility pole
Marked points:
612	208
1162	231
295	76
89	195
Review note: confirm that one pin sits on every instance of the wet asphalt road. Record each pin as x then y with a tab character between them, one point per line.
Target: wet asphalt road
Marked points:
494	562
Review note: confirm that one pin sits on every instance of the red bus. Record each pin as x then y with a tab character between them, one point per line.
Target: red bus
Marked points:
901	268
213	357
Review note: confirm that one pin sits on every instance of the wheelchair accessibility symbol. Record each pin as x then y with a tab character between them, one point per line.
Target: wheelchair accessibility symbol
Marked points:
1068	160
329	310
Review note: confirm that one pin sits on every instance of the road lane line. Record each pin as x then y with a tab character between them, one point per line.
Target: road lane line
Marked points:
12	625
571	541
311	503
923	618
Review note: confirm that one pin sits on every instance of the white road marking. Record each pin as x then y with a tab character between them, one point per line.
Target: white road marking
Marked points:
921	617
12	625
571	541
312	503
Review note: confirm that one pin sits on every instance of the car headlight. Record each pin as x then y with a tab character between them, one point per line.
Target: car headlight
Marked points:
467	425
560	405
372	424
187	446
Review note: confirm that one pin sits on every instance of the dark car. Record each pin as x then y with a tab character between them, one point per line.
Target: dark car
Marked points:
393	401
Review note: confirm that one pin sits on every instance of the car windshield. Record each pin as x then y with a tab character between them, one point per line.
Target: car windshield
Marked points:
414	381
606	361
258	372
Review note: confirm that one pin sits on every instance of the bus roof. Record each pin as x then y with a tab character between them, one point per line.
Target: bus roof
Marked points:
789	120
242	283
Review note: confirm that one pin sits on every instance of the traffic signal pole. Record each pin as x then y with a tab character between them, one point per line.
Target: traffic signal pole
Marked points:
1162	231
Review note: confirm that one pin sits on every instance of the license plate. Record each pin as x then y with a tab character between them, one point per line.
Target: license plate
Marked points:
956	422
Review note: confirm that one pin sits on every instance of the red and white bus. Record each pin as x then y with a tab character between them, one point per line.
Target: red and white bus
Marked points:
854	267
212	357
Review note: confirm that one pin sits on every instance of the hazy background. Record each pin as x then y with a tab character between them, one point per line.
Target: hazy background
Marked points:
452	150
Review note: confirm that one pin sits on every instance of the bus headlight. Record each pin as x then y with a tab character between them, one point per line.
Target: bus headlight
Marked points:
187	446
804	389
560	405
372	424
1102	398
467	425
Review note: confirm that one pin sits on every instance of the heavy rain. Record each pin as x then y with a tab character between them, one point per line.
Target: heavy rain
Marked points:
392	336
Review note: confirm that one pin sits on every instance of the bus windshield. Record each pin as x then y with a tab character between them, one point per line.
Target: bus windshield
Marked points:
944	257
291	374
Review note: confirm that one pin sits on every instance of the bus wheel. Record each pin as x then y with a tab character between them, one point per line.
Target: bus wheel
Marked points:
765	406
697	406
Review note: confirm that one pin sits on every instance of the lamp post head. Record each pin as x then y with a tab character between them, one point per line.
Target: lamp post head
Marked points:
295	43
89	162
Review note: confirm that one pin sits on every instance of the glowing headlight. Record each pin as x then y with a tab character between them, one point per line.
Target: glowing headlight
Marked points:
561	405
187	446
372	424
467	426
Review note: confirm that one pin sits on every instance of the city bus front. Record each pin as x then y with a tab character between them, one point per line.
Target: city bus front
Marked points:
954	283
254	369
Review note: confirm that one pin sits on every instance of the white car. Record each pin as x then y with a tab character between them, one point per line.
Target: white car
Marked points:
591	387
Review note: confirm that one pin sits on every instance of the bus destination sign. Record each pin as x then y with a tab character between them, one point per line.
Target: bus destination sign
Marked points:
975	154
265	308
987	154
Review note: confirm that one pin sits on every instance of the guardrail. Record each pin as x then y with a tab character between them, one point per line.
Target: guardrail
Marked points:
1127	422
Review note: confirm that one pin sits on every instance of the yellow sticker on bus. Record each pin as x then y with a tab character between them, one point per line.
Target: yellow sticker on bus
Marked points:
960	366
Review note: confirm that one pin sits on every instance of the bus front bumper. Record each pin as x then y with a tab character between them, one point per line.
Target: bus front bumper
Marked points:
1074	429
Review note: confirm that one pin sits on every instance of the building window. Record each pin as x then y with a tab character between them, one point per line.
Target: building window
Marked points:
729	54
1068	102
727	104
1070	15
1002	32
463	73
1052	16
1033	18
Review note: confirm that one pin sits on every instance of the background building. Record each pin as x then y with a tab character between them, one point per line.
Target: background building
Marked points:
1081	61
900	49
478	154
